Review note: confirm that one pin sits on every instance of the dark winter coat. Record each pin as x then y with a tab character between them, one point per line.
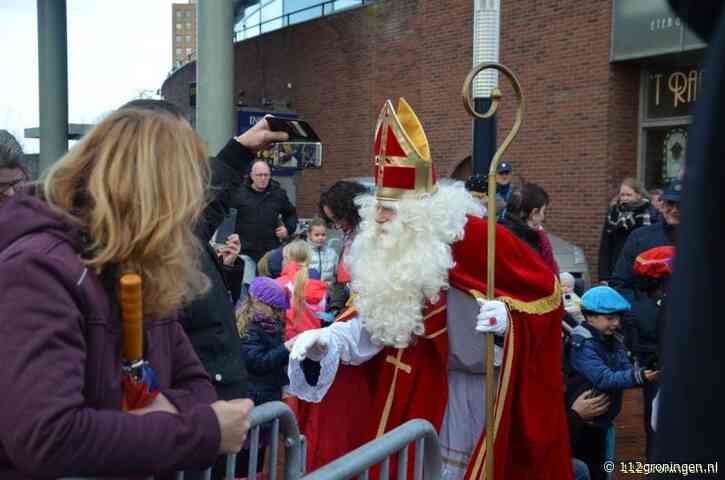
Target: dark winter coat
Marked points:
61	365
267	357
601	363
258	217
622	219
209	321
640	323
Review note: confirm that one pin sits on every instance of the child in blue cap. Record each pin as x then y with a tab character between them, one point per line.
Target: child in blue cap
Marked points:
598	355
598	361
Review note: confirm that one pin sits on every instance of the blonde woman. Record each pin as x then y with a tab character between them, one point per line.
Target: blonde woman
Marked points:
629	210
125	198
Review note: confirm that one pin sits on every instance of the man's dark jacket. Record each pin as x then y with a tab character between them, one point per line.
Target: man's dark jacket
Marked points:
258	217
640	323
209	321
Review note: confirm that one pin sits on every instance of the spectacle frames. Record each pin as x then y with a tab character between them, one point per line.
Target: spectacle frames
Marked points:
4	187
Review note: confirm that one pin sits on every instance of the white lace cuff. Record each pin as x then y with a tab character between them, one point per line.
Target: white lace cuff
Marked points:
298	386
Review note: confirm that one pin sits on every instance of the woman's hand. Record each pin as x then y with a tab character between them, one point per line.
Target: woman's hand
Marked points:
234	423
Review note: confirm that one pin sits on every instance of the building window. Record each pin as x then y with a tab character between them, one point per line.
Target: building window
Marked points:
188	13
179	13
188	25
188	39
179	39
178	51
179	26
188	51
668	95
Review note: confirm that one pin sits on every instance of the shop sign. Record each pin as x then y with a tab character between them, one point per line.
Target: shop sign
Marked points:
672	92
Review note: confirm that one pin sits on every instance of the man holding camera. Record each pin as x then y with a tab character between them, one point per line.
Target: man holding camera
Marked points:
265	216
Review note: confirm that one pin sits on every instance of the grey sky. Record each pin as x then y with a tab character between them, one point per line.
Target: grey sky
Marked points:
116	50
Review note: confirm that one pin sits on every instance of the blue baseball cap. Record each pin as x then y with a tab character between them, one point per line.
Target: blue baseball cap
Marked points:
504	167
604	300
672	192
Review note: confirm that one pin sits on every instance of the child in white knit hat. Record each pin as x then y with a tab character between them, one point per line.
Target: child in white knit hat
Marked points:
572	302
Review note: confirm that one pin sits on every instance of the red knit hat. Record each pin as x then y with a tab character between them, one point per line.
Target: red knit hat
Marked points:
655	262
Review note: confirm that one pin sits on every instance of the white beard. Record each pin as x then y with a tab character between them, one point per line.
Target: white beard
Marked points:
399	266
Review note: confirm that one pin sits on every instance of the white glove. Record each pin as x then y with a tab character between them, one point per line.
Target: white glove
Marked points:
492	318
311	344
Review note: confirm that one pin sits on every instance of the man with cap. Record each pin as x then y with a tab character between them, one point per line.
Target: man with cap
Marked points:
640	323
503	180
417	265
600	363
477	185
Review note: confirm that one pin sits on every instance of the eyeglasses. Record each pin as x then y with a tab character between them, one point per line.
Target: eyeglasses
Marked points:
4	187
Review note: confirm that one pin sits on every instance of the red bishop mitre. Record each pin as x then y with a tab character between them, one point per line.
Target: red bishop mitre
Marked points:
401	154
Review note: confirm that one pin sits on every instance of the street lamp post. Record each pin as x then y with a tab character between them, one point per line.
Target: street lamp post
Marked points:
53	80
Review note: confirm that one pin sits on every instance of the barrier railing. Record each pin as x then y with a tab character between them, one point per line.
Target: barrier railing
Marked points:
359	462
277	417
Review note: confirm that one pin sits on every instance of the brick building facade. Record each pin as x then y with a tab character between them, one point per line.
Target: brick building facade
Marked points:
582	120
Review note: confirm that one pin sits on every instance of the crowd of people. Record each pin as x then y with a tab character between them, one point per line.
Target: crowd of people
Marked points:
320	328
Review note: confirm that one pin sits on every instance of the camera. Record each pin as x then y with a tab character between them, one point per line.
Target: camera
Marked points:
567	296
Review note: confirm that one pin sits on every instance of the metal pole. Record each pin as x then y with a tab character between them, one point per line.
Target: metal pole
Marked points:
215	72
53	81
486	46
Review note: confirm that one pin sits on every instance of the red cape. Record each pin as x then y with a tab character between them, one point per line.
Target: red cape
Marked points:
532	438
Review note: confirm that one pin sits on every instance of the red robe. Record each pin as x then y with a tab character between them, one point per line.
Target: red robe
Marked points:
532	436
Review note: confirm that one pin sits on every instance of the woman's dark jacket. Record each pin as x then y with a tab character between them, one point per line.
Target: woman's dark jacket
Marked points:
209	321
266	357
258	217
622	219
522	230
60	351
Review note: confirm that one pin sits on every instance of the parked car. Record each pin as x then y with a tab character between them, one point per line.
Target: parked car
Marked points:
571	259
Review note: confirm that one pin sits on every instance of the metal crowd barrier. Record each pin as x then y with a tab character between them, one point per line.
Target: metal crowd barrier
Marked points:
278	417
359	462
